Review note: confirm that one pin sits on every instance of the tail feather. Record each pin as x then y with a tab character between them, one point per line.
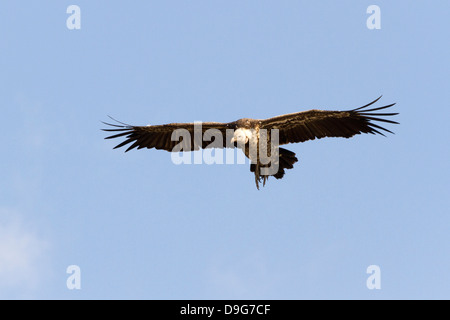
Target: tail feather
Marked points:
286	161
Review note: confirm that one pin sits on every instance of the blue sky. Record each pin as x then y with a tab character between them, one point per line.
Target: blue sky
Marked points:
139	226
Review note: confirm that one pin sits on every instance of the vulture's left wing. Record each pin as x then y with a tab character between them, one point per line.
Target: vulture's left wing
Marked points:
312	124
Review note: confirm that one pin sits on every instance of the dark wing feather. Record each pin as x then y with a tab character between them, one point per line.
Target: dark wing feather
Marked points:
312	124
160	136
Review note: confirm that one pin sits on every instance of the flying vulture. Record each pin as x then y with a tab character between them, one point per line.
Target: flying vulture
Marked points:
259	139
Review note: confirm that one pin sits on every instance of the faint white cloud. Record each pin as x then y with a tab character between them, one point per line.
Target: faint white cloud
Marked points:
22	253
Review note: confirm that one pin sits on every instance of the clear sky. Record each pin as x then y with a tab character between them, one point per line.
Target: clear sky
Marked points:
139	226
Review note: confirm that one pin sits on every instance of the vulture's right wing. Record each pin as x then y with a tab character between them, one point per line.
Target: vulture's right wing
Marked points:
188	136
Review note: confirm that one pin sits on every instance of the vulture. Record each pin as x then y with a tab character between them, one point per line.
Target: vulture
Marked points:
258	139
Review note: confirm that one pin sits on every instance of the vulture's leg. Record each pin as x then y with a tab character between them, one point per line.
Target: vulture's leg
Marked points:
257	178
265	178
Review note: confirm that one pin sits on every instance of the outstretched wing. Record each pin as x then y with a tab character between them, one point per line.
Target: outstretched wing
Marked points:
312	124
187	136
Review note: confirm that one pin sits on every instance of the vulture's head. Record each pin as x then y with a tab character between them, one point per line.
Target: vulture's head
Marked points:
241	136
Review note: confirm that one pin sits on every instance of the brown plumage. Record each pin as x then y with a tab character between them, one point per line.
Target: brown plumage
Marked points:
245	133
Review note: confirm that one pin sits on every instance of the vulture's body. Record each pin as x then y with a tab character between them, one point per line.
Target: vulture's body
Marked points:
258	139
